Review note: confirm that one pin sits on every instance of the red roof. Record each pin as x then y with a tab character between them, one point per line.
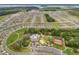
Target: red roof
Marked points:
58	41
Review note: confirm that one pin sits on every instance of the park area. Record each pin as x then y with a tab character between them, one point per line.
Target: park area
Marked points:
19	41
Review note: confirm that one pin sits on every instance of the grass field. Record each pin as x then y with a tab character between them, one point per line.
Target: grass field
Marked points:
75	13
1	17
15	36
55	25
14	39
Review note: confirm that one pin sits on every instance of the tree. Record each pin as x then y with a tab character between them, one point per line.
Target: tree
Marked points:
25	41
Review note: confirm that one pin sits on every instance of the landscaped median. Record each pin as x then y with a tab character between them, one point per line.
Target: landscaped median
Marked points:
18	43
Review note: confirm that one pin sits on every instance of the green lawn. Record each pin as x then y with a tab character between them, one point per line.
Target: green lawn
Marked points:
15	36
68	51
75	13
1	17
12	38
21	50
55	25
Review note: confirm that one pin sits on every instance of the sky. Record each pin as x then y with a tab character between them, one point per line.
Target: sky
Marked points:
37	5
18	5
